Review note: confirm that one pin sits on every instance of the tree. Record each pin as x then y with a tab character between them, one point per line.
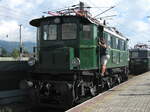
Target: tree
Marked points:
4	52
15	53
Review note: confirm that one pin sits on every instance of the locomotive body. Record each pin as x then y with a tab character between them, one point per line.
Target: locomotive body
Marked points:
78	41
139	60
67	66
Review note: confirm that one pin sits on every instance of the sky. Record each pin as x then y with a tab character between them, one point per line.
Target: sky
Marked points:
131	17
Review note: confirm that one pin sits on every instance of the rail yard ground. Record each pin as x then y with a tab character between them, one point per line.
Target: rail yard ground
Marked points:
130	96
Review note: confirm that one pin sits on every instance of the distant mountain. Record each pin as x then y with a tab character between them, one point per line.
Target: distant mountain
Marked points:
9	46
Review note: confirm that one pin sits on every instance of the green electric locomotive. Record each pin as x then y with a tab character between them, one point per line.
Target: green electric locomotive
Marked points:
67	63
139	59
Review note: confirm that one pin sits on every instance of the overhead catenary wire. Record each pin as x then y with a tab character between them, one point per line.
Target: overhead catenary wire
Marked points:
14	17
14	14
107	16
13	10
104	11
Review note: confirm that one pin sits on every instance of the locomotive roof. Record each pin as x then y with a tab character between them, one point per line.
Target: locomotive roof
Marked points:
111	30
36	22
115	32
140	49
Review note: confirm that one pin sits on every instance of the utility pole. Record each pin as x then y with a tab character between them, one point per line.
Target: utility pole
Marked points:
20	39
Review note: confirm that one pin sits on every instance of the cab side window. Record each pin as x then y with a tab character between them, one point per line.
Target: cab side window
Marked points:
45	32
120	44
86	32
117	43
38	33
112	43
107	38
49	32
113	39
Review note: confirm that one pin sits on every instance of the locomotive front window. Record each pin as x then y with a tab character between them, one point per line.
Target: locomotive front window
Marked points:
50	32
134	54
45	32
141	54
69	31
86	32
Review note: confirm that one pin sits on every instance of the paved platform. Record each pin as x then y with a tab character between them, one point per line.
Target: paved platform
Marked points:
130	96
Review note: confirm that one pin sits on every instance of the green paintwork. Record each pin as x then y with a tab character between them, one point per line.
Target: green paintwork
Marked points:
87	50
89	55
117	58
71	57
58	59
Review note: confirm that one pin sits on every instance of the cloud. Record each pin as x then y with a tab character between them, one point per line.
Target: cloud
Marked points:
15	3
7	28
15	12
28	34
130	20
11	28
141	26
23	3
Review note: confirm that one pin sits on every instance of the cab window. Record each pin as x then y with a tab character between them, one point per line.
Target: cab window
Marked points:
134	54
50	32
139	54
45	32
117	43
109	40
86	32
122	44
113	39
69	31
38	33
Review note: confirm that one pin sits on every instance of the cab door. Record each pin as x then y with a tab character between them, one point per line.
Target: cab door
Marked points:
100	35
88	45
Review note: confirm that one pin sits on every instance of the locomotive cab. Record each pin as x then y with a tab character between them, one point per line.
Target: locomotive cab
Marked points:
65	43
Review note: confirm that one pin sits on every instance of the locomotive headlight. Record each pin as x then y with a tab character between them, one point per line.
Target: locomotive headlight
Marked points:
31	61
24	84
57	20
75	62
